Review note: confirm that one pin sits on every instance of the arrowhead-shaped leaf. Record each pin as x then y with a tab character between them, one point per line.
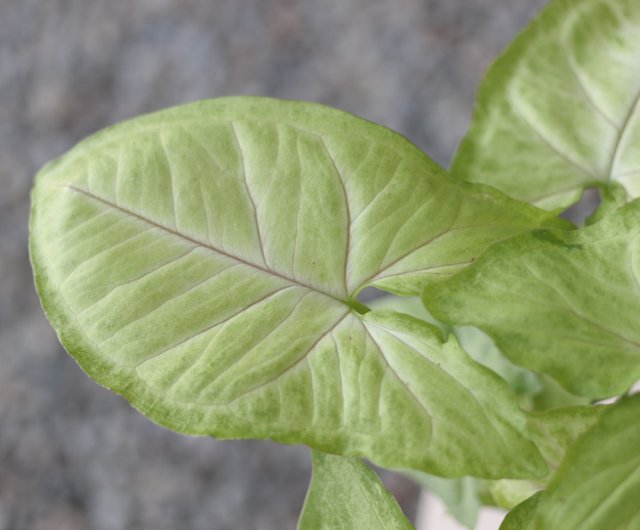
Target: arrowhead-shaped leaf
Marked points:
204	262
564	303
345	493
560	110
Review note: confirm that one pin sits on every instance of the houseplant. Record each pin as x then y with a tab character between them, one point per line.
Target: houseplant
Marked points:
206	262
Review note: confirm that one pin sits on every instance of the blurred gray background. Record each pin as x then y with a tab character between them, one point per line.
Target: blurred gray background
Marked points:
73	455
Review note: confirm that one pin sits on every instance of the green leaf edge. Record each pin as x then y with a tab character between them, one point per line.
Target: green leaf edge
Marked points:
498	74
606	426
520	517
367	481
495	254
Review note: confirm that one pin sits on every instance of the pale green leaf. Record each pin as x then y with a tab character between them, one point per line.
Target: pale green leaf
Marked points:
204	262
554	431
553	395
559	110
564	303
534	391
477	344
346	494
598	484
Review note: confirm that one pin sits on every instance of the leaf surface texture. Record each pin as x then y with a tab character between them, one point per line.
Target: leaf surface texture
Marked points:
598	484
565	303
559	111
345	493
204	262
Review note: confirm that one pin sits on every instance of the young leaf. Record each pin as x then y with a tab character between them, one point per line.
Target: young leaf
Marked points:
204	262
564	303
345	493
559	111
598	484
521	515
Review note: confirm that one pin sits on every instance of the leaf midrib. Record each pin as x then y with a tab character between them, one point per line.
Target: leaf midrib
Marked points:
353	304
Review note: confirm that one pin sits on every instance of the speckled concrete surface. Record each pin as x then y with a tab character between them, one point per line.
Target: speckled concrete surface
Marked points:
72	455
